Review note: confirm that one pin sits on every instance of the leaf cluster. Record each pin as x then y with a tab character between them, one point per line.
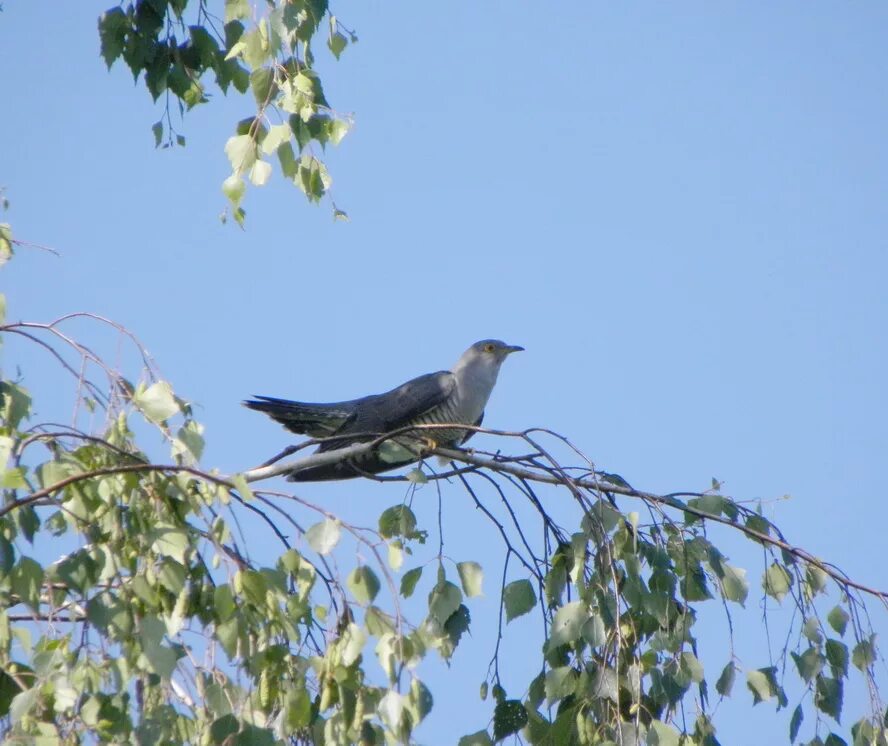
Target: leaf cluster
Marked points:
270	56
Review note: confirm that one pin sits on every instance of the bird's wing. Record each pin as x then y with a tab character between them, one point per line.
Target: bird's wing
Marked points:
380	414
394	409
318	420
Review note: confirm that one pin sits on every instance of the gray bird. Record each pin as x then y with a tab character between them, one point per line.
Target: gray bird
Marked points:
454	396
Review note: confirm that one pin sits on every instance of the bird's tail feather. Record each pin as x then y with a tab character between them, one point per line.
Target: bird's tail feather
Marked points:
305	418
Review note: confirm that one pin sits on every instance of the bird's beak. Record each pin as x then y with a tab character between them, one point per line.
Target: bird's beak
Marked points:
513	348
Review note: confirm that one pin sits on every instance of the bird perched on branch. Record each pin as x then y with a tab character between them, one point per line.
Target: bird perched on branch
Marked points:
457	396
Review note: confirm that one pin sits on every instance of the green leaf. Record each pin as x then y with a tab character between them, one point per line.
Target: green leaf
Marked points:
338	129
601	516
734	584
156	402
223	601
481	738
690	668
14	479
518	598
694	586
172	576
262	84
251	735
7	560
237	9
23	703
809	663
287	159
726	680
323	536
277	136
15	403
6	251
160	658
758	523
838	619
233	187
817	579
253	586
444	600
312	177
419	701
509	717
223	728
363	584
409	581
169	540
113	27
797	716
395	555
864	654
837	655
26	580
471	576
456	624
777	581
157	131
660	734
204	44
399	520
811	630
416	476
190	441
9	688
712	504
762	683
594	631
241	152
304	84
353	640
260	173
236	49
568	622
390	709
78	570
828	696
605	684
337	42
561	682
297	708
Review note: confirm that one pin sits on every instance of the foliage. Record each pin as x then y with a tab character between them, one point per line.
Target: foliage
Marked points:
146	598
132	608
270	55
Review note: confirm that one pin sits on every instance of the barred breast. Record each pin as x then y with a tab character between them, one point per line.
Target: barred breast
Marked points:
449	411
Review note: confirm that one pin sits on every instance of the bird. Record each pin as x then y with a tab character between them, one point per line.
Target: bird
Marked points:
457	396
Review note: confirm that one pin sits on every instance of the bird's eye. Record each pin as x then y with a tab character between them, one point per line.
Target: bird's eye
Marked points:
489	347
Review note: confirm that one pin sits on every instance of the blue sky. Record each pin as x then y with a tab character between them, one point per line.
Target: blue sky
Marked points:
679	210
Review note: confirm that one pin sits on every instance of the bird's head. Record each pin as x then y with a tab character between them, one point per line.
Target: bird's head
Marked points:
486	354
494	349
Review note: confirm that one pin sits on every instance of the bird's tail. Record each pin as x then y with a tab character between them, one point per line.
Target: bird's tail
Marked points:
306	418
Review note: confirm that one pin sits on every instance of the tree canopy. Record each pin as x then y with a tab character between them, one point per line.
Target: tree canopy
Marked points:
137	603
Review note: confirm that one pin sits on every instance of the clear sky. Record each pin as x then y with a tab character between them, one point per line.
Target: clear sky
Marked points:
680	210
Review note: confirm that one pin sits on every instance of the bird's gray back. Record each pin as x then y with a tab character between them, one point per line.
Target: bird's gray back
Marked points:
405	405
